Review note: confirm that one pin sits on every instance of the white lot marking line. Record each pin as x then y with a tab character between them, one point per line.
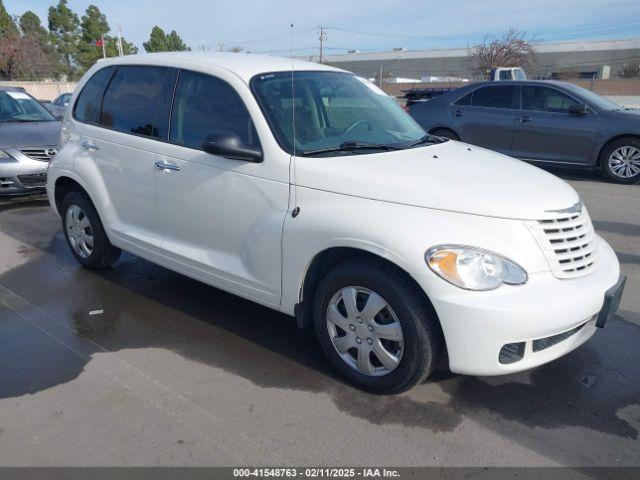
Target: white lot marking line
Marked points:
13	302
96	312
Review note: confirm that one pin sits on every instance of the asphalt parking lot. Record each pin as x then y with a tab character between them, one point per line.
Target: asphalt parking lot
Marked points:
141	366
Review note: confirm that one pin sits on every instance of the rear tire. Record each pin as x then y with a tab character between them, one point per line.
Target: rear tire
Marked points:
446	133
403	331
85	234
620	161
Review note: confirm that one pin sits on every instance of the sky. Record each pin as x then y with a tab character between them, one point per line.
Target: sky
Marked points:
365	25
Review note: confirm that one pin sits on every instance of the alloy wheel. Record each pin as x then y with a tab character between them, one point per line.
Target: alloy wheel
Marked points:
365	331
624	162
79	231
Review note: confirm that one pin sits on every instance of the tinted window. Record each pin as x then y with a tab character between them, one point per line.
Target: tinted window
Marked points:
87	107
205	105
546	99
132	98
499	96
466	100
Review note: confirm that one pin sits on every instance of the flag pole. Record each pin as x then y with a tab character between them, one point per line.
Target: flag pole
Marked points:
104	50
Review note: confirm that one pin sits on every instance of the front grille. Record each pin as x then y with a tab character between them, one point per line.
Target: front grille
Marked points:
33	179
568	243
44	154
543	343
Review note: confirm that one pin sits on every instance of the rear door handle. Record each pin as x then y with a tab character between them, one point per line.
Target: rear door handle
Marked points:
90	146
525	118
167	166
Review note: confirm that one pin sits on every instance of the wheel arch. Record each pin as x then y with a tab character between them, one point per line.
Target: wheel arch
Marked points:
323	261
62	187
610	140
443	127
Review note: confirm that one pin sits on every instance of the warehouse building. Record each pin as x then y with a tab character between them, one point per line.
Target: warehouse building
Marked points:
573	59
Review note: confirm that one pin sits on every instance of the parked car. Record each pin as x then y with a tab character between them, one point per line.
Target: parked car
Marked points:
502	74
58	106
540	121
394	245
29	137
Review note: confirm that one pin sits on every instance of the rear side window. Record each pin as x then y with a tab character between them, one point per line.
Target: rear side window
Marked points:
87	107
498	96
205	105
132	98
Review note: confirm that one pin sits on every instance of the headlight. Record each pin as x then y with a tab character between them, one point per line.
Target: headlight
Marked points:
472	268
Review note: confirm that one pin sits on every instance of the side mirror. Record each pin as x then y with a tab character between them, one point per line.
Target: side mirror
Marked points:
578	109
229	145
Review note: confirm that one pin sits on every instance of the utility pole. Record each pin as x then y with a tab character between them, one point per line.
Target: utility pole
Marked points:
104	49
322	37
119	38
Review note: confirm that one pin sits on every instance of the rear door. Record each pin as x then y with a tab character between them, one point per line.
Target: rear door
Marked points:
486	117
546	130
123	146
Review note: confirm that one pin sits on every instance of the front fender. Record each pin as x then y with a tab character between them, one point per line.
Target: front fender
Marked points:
398	233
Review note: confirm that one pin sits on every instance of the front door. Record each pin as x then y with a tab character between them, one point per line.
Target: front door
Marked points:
222	218
547	131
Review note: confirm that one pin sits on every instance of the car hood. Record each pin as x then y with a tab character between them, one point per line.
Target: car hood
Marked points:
450	176
29	134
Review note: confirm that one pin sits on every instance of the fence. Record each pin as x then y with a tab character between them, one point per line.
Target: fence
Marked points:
43	91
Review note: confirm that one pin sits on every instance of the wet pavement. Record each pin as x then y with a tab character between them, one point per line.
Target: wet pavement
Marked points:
138	365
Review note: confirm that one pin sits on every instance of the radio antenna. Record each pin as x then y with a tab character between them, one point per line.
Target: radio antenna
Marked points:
292	173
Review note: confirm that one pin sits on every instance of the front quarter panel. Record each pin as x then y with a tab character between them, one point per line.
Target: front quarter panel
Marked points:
399	233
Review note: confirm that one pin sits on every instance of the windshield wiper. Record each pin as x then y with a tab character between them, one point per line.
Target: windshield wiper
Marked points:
351	145
428	138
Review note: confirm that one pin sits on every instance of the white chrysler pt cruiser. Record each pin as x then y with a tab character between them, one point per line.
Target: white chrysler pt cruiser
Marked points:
308	190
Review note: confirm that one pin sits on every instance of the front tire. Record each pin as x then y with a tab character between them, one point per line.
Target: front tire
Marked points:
85	234
620	161
375	326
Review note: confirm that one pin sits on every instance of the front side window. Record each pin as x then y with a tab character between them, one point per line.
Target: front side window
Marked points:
16	106
204	106
87	107
544	99
131	100
495	96
330	108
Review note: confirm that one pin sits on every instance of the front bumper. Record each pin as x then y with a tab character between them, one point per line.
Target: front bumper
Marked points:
477	325
21	174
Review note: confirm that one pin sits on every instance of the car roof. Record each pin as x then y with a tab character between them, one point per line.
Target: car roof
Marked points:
557	83
245	65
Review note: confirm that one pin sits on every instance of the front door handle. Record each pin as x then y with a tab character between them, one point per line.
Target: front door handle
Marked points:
525	119
90	146
458	113
167	166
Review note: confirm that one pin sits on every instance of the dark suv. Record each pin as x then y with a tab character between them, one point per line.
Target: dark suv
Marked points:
540	121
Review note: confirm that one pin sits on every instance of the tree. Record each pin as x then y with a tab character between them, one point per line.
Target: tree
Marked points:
512	49
161	42
174	43
157	42
36	38
64	26
93	28
7	23
30	25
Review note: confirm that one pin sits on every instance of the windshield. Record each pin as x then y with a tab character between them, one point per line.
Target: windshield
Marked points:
332	109
21	107
593	99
